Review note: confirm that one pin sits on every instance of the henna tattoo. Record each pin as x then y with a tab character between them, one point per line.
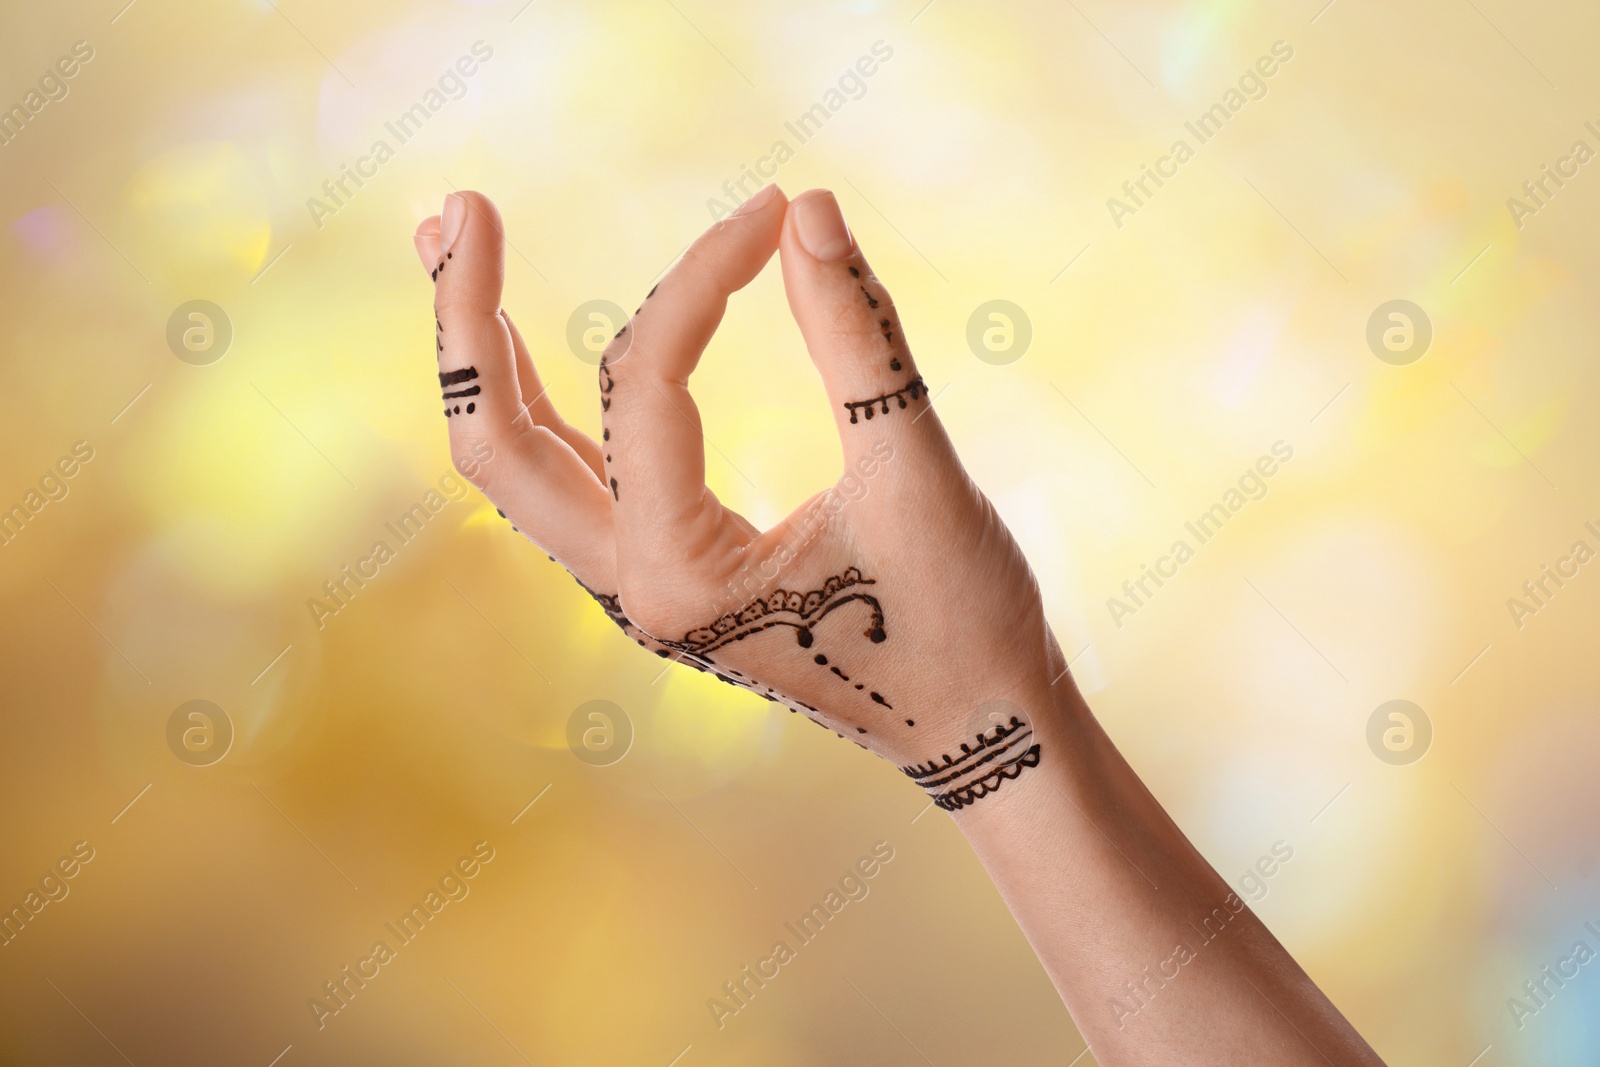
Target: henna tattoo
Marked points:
983	765
801	611
606	385
611	604
887	330
885	326
910	391
457	377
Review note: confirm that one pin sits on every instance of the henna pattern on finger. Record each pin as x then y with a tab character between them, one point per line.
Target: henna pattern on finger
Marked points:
447	379
998	756
607	383
912	390
885	326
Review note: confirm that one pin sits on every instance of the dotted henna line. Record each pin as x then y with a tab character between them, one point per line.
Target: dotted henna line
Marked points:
912	390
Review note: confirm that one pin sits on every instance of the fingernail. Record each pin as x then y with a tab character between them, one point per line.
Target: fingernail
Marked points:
451	219
820	226
762	198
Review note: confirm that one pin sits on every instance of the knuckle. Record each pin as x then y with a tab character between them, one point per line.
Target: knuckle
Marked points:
472	456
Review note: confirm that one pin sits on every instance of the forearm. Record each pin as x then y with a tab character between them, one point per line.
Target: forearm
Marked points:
1156	958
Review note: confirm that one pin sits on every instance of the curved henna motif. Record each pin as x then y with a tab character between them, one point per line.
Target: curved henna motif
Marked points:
802	611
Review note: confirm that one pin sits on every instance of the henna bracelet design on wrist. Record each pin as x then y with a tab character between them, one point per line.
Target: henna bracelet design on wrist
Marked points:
998	756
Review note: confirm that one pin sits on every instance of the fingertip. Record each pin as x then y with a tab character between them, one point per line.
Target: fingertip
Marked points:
469	255
818	227
427	251
767	198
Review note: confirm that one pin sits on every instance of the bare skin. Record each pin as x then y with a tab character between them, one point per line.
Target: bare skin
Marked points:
903	617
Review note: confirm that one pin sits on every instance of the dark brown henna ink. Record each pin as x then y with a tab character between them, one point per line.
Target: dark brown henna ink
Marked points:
983	765
457	377
800	611
912	390
606	385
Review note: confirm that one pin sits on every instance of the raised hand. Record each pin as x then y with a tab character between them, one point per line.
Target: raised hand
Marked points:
890	608
893	608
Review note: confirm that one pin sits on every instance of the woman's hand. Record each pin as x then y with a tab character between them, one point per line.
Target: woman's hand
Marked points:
893	608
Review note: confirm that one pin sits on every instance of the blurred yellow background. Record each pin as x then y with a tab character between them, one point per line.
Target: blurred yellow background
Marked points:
228	458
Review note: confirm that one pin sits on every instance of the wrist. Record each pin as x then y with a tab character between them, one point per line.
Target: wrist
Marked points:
990	756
